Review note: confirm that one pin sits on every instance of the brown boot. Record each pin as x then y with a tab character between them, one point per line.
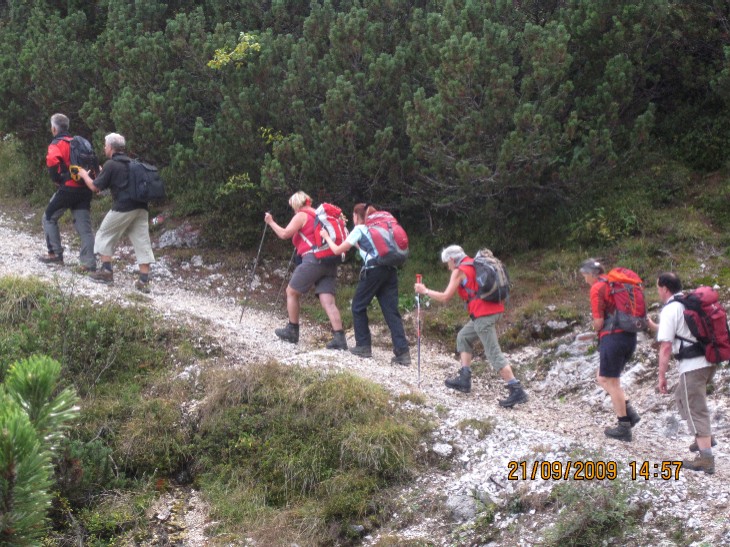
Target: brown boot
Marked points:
51	258
102	276
702	462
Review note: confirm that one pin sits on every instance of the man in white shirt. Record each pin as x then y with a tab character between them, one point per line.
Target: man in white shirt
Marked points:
695	372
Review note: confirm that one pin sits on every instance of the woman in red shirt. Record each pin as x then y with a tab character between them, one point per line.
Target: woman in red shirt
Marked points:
481	326
309	273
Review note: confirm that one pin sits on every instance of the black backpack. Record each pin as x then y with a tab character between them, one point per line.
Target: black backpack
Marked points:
144	183
491	276
82	155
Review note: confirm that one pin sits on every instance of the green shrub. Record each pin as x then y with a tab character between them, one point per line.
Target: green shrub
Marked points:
34	414
319	445
20	177
86	469
590	511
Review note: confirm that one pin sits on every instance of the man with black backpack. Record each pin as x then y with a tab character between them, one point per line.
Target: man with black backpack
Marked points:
70	194
695	371
483	316
127	216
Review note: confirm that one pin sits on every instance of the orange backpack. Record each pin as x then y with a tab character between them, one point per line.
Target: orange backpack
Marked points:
626	293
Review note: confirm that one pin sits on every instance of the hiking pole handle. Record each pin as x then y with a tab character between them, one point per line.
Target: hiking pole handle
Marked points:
419	278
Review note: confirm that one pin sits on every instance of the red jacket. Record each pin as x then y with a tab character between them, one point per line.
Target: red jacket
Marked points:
468	290
58	160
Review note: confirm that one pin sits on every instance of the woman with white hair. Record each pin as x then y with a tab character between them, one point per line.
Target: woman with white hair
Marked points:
309	273
481	326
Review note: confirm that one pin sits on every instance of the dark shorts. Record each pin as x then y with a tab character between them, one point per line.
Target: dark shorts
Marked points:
615	351
310	273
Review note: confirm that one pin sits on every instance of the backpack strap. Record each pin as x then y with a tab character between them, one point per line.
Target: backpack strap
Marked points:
471	294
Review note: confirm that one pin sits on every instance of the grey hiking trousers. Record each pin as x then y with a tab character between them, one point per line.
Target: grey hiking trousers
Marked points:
80	205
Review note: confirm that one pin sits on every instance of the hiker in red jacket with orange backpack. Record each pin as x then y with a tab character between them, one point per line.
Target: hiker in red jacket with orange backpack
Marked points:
619	312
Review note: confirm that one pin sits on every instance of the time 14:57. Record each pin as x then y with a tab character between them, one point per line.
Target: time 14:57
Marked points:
666	470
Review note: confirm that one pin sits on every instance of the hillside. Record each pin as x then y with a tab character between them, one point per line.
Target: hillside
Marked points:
466	496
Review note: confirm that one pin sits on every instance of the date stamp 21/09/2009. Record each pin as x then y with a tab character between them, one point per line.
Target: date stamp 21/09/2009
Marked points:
590	470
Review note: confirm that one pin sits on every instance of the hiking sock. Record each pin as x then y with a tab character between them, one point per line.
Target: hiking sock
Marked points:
625	419
706	452
106	266
513	381
144	277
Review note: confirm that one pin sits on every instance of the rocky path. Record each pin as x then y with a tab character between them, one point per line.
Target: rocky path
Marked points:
563	420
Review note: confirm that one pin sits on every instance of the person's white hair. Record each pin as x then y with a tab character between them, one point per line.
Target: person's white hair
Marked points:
115	141
454	252
592	267
299	200
60	122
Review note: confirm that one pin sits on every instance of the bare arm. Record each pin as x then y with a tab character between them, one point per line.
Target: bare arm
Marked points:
665	354
84	174
336	249
447	294
295	224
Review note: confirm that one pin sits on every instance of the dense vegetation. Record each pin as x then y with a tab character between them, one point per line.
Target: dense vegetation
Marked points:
275	450
453	113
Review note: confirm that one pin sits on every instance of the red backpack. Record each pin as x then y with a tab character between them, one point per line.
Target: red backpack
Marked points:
626	293
389	238
330	218
707	321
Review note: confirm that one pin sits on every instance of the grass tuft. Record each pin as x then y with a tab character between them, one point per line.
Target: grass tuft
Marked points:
320	446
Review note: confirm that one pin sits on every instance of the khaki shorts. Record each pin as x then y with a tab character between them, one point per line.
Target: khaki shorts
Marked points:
310	273
691	397
133	224
485	330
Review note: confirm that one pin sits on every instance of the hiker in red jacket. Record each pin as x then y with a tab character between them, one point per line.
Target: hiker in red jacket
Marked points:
481	326
309	273
616	347
70	194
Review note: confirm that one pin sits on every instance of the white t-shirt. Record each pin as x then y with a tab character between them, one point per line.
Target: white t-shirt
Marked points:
671	325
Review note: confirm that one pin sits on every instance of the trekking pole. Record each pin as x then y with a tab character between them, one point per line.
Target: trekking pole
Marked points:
283	283
419	279
253	273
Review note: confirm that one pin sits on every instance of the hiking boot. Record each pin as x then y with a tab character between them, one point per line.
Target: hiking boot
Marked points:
142	286
632	415
338	340
694	448
622	431
362	351
403	359
702	462
516	396
290	333
51	258
462	382
102	276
